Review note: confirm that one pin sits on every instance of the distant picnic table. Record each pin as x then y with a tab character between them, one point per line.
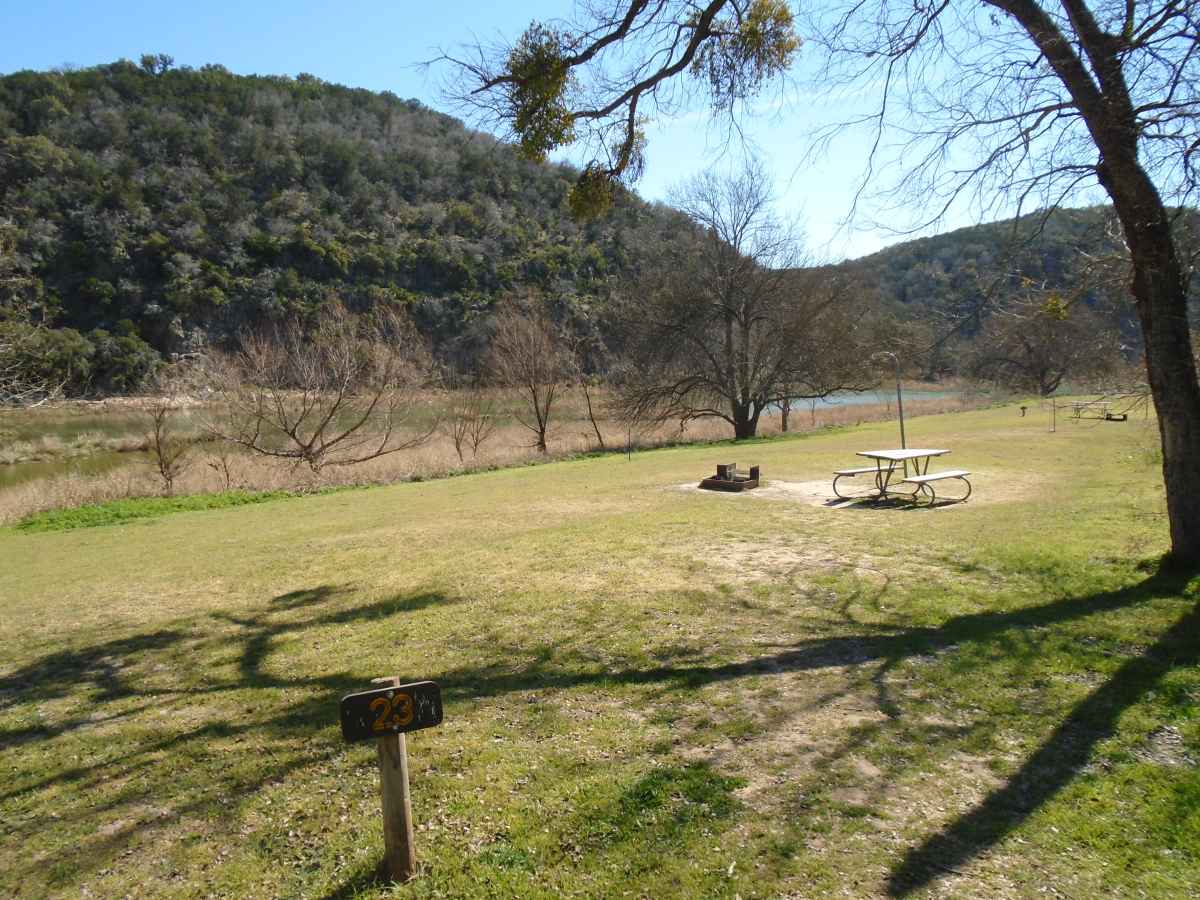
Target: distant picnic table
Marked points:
1097	409
1087	409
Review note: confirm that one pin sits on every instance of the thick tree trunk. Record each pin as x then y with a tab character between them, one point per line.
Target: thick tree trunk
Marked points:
744	429
785	411
1160	290
1101	95
1170	367
745	421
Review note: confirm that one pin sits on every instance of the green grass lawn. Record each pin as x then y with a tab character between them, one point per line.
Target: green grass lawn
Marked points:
649	691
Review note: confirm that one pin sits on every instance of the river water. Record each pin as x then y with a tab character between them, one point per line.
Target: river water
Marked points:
864	398
65	440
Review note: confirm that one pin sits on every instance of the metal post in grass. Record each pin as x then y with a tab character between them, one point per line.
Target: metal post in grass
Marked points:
385	714
899	394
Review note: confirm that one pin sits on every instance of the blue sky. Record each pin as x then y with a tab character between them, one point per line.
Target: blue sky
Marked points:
377	46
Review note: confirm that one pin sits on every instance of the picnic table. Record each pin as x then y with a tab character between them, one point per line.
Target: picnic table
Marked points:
916	486
1088	409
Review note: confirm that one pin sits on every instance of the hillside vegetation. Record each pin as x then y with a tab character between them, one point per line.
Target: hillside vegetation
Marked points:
148	211
152	210
949	271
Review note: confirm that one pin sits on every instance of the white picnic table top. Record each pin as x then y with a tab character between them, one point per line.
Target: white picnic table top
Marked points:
901	455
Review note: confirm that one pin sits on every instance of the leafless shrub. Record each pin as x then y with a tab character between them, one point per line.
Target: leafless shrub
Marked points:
588	357
220	460
17	388
337	394
168	448
168	444
470	419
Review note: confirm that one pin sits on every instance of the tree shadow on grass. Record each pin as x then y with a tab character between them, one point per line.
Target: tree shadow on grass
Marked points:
100	665
262	629
842	650
1052	767
234	750
288	726
1047	772
367	877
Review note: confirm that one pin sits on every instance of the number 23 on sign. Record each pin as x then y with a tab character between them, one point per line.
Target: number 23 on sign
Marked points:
393	712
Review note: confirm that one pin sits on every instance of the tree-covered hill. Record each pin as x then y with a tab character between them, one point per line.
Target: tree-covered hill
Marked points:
941	290
1061	248
951	272
147	210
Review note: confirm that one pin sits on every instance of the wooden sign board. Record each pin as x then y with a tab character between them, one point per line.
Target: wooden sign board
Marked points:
391	710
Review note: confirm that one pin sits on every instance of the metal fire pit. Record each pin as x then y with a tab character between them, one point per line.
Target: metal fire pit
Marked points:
728	478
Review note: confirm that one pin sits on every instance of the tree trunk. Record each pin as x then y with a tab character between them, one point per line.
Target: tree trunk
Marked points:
745	421
785	410
1160	291
744	429
1171	369
1102	97
587	396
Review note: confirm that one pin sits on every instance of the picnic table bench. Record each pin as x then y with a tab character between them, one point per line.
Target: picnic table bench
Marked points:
926	482
1097	409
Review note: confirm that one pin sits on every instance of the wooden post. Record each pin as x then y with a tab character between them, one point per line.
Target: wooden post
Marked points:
400	856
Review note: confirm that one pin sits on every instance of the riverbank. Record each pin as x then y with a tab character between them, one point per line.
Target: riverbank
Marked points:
120	468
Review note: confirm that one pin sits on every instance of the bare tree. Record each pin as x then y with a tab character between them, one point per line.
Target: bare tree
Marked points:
470	419
589	357
220	460
170	445
16	387
1004	101
731	326
482	423
529	355
1038	340
336	394
588	385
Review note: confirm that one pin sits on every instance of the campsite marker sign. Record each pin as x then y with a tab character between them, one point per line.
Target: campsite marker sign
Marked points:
391	710
385	714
